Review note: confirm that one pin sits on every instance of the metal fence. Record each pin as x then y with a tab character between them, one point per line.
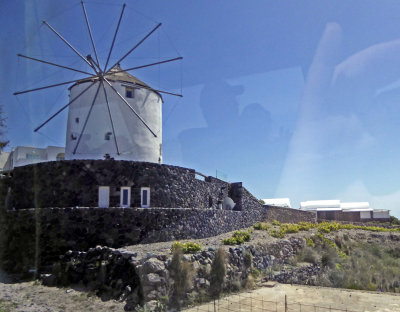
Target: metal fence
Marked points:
248	303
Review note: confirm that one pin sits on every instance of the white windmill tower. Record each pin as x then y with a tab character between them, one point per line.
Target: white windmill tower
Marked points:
111	113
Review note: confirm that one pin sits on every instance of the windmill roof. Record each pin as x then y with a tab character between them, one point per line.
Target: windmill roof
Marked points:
117	74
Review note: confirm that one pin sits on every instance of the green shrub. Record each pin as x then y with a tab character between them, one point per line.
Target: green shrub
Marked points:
310	242
229	241
255	272
276	222
217	274
182	274
308	254
188	247
261	226
277	233
306	226
394	220
290	228
248	259
238	238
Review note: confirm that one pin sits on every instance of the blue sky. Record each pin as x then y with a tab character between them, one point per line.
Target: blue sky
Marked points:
297	99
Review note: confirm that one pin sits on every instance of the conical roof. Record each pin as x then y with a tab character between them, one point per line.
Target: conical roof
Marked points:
116	74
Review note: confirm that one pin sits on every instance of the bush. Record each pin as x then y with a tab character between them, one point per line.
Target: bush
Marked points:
276	222
247	259
181	273
255	272
277	233
308	254
186	248
217	274
238	238
261	226
290	228
394	220
310	242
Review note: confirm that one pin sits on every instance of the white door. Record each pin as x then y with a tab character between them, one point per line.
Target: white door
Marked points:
125	198
104	196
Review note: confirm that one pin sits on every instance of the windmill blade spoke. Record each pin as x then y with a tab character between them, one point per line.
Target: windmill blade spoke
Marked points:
166	92
68	44
51	86
109	113
64	107
90	31
161	91
87	118
53	64
131	108
115	36
148	65
138	44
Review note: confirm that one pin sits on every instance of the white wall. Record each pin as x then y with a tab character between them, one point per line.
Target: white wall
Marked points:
381	214
134	140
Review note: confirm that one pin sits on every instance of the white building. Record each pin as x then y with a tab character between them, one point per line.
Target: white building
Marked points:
26	155
125	126
347	211
320	205
3	160
279	202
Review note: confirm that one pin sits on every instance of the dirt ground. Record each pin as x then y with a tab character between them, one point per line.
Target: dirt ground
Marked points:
33	297
305	299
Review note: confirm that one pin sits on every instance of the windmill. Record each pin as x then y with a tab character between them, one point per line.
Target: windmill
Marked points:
110	112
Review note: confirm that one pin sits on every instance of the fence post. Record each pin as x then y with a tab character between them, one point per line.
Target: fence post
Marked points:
286	303
214	306
276	305
240	309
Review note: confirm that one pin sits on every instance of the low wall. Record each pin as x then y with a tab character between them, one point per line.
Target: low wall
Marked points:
121	274
43	234
289	215
74	183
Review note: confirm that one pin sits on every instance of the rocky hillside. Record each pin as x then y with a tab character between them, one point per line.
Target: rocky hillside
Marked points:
151	274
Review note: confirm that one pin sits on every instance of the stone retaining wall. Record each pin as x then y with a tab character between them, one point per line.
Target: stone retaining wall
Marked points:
52	231
119	274
74	183
289	215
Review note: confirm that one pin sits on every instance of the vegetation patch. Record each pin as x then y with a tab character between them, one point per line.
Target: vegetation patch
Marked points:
187	248
322	228
238	238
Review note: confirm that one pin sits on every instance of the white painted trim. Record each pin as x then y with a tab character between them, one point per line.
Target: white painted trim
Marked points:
147	201
128	204
104	197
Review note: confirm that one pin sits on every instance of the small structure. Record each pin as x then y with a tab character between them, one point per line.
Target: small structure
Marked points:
26	155
278	202
3	160
347	211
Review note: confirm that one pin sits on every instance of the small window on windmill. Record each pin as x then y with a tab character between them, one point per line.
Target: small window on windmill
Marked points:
129	92
107	136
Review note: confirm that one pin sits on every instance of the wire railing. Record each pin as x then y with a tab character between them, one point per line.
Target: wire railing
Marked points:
248	303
